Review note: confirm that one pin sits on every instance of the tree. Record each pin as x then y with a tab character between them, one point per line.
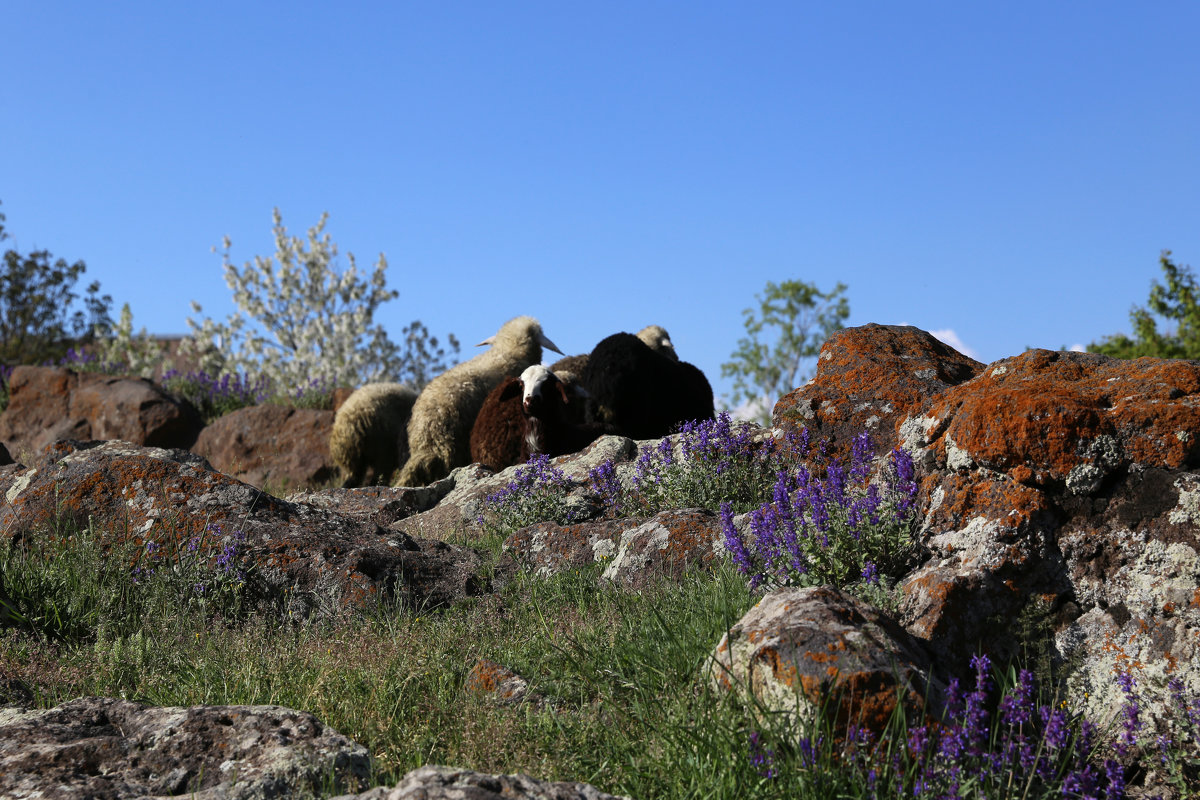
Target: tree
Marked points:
301	321
766	367
1179	301
37	323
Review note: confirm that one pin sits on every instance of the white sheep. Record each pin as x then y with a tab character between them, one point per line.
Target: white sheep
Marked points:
370	432
439	431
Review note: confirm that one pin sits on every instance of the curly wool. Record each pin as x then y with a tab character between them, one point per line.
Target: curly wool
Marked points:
439	431
370	432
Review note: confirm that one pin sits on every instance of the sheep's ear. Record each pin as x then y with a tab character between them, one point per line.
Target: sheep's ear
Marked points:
511	390
562	390
488	341
545	342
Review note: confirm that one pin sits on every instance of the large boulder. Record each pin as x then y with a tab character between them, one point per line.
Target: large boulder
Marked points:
1055	485
47	404
318	560
871	378
271	445
100	748
798	649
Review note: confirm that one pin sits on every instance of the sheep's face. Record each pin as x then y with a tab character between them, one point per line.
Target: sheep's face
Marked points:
539	386
657	339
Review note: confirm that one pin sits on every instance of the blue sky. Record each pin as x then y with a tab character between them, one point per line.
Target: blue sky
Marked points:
1003	173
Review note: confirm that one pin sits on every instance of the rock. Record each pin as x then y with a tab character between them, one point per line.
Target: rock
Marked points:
320	561
489	679
800	648
548	548
382	505
109	749
271	445
1069	482
446	783
871	377
47	404
669	543
634	549
1069	421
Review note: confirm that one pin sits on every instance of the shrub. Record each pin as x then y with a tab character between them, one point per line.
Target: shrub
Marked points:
216	396
720	461
299	318
836	529
537	493
985	746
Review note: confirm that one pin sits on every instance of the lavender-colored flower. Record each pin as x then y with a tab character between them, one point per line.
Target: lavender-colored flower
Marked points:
762	758
735	545
870	574
1130	714
1016	708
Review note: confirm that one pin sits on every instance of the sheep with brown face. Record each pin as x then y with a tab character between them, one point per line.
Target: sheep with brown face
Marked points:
439	431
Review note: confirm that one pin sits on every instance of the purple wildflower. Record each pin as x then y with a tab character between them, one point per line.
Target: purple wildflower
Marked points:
762	758
870	573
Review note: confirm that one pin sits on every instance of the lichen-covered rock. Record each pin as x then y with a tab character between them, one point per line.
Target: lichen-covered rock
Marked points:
669	543
51	403
547	548
382	505
98	748
634	550
871	378
489	679
320	561
800	648
446	783
1069	421
271	445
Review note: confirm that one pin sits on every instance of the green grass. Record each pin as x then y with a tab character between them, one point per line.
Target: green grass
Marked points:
624	706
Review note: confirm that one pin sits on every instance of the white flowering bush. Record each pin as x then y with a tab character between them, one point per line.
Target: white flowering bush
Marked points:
123	352
302	322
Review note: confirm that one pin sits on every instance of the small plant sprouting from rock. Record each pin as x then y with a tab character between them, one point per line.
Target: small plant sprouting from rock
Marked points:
837	529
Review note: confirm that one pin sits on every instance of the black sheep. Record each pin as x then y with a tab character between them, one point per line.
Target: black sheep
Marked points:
645	394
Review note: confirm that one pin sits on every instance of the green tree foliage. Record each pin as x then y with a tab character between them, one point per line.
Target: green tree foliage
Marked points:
302	321
1177	301
39	318
787	329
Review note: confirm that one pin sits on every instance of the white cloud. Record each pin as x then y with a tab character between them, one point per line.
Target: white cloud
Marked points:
1078	348
948	336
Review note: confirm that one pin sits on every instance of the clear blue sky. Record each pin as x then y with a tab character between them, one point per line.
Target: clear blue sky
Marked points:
1005	173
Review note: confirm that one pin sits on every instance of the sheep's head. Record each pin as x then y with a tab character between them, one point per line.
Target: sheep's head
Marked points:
657	339
521	335
540	387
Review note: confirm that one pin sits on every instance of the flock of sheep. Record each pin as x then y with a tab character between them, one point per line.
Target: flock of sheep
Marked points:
503	406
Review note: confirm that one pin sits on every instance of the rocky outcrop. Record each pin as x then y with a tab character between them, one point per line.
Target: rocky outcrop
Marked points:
1057	486
271	445
318	560
102	748
801	648
871	378
446	783
498	682
47	404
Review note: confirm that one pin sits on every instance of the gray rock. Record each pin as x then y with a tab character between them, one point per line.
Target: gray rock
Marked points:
99	748
446	783
799	649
